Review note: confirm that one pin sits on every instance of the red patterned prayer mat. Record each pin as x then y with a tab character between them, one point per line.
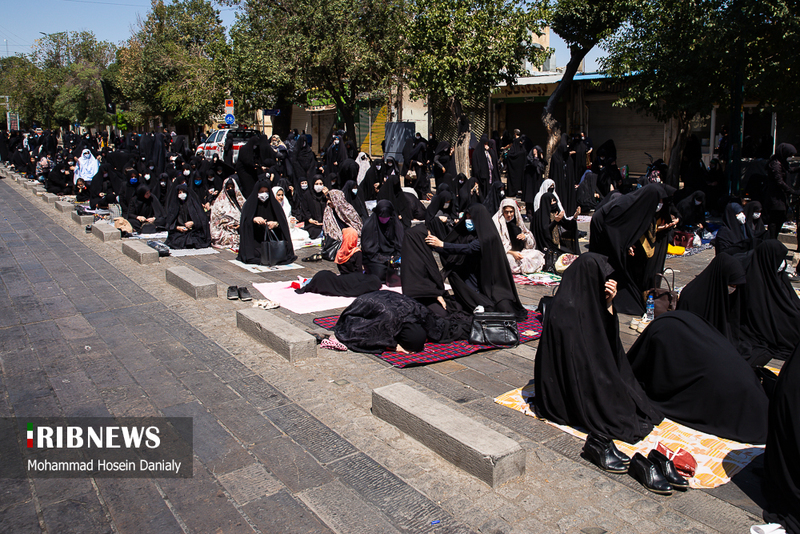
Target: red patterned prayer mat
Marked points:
529	330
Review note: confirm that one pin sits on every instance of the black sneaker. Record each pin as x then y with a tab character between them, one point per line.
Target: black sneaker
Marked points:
233	292
244	294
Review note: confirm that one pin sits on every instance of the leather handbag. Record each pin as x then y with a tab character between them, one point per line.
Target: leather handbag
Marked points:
273	250
664	300
495	329
330	247
393	273
550	258
545	301
683	239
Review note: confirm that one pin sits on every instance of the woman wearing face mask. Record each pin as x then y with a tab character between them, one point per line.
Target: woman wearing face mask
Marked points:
470	262
552	231
129	190
734	237
692	211
187	223
313	206
391	191
297	234
381	239
261	214
714	295
534	173
755	222
353	196
146	214
518	241
771	310
226	213
469	192
101	190
615	232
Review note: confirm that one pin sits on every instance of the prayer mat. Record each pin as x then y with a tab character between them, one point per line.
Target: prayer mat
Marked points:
718	459
537	279
438	352
156	236
284	294
584	218
256	269
692	251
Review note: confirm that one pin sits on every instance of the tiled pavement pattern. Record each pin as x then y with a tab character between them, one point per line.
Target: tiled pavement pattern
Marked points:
278	447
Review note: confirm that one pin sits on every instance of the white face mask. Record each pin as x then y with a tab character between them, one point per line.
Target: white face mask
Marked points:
697	202
731	289
151	168
757	215
147	177
502	194
741	217
318	188
355	191
263	196
187	172
303	186
182	196
782	266
445	205
335	141
660	205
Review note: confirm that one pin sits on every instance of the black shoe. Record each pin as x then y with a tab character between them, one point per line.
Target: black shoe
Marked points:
601	455
244	294
233	292
582	234
667	469
648	475
605	441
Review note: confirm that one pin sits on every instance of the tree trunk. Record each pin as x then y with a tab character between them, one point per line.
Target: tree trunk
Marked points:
552	125
462	142
674	170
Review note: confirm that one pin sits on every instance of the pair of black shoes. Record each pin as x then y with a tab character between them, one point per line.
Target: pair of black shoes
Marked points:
240	293
656	472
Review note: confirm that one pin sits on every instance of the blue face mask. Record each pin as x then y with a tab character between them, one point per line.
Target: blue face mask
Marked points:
470	226
134	181
198	182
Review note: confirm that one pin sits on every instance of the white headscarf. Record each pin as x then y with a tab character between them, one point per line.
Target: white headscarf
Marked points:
87	166
363	166
547	184
285	204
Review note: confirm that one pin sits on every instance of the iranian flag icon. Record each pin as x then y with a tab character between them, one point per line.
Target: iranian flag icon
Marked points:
30	435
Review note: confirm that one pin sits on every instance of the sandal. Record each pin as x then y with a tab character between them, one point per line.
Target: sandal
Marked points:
314	258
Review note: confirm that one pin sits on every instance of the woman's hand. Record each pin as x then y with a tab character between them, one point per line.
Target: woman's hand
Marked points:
182	229
522	236
272	224
189	225
433	241
140	218
559	216
631	252
516	255
260	220
610	292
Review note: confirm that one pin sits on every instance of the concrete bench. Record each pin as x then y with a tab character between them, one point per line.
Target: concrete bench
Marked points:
106	232
50	198
30	185
139	251
194	284
286	339
64	206
39	190
83	220
467	444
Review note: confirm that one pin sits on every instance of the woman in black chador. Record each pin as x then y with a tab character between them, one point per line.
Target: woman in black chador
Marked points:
552	230
516	159
534	176
777	189
582	376
616	229
145	213
312	205
734	237
439	215
261	214
714	295
771	309
385	320
473	259
781	482
381	239
393	192
187	223
694	376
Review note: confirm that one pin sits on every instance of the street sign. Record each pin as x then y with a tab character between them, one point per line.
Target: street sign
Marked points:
272	112
229	119
228	106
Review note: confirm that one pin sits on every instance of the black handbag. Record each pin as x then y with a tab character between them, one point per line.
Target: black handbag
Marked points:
494	328
393	273
545	301
664	300
550	258
163	250
330	247
273	250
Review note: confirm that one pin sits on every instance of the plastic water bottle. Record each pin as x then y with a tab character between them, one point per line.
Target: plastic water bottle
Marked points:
651	308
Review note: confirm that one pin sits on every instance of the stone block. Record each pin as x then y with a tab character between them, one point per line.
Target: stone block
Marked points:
139	251
39	190
30	185
83	220
194	284
50	198
462	441
286	339
106	232
64	206
790	240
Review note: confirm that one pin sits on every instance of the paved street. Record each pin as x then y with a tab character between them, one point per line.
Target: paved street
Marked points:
279	447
